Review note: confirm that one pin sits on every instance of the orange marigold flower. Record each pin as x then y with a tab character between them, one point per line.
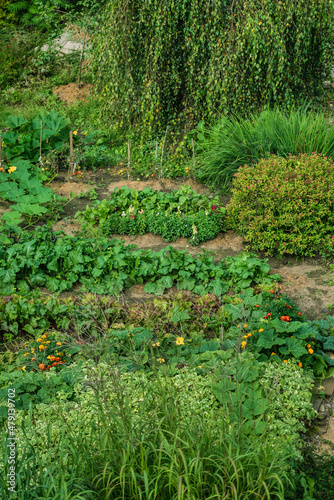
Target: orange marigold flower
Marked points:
310	351
41	366
300	365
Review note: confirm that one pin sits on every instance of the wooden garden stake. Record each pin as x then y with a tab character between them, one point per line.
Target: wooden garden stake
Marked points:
71	155
129	160
162	152
40	145
0	151
194	157
156	155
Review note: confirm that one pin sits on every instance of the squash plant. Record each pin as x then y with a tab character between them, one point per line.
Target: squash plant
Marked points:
23	138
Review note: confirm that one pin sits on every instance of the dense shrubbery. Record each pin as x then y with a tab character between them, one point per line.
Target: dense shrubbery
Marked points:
162	68
285	205
235	141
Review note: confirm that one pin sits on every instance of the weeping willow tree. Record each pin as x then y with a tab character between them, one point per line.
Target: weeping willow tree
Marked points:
175	62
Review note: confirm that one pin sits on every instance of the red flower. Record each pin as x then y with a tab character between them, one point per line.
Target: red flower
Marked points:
41	366
54	364
285	318
299	314
132	216
267	315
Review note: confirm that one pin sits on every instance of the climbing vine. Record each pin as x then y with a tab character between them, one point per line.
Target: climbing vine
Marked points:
172	63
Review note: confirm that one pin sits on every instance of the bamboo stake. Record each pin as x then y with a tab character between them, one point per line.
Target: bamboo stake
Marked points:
156	155
194	157
40	142
162	152
129	160
71	155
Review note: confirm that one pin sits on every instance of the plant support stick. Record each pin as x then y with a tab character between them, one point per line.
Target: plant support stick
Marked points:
162	152
129	160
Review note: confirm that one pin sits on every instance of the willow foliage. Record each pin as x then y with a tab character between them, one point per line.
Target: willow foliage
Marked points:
165	62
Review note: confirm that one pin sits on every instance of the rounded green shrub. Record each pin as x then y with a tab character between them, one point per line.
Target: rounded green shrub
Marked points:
285	206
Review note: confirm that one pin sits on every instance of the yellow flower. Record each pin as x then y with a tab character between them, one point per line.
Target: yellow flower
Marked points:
310	351
161	360
41	347
245	336
179	341
245	325
39	340
285	361
243	344
238	326
300	365
249	335
44	336
11	170
308	346
23	368
199	366
157	344
58	343
273	354
75	132
261	330
47	342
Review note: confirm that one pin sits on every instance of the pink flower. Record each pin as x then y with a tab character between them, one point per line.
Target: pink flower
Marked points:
275	189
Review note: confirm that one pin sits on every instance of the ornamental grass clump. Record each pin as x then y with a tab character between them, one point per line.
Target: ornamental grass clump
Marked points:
285	206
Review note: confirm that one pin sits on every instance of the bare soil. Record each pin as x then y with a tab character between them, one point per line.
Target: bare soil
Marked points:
305	281
71	94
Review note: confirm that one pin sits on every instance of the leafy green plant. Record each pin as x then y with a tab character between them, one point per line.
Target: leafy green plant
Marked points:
155	422
33	388
285	206
266	398
233	141
23	139
313	475
181	213
273	329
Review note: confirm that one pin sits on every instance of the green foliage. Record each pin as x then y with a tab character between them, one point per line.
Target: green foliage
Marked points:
155	422
235	141
33	388
273	329
313	476
162	68
182	213
22	184
16	54
268	398
23	138
285	206
108	266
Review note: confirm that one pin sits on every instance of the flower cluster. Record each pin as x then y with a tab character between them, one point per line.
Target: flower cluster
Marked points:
285	318
45	352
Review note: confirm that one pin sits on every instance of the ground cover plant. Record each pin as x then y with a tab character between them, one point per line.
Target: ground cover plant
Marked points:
234	141
285	206
152	420
107	266
181	213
